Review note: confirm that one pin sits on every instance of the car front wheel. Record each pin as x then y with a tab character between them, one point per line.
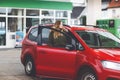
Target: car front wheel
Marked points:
87	75
29	67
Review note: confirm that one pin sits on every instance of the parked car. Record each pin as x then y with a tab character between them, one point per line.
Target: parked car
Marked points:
89	54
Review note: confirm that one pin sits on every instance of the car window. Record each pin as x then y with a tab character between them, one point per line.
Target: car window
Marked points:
45	36
99	39
60	42
33	34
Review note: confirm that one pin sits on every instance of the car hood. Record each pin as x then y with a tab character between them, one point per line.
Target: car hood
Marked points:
112	54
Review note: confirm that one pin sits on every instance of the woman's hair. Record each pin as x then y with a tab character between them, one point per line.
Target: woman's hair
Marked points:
57	24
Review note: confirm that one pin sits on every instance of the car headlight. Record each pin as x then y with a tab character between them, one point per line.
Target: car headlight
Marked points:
111	65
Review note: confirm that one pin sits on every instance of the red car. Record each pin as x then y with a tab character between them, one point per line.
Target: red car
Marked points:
89	54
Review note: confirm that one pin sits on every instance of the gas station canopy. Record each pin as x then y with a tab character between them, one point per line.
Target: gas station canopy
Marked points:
37	4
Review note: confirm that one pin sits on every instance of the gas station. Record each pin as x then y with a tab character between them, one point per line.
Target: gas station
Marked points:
17	18
89	53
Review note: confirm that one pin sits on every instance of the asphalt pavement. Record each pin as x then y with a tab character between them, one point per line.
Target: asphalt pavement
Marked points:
11	67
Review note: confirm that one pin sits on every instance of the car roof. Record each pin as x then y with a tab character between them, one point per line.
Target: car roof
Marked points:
83	28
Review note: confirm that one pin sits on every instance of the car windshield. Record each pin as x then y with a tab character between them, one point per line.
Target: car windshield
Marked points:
99	39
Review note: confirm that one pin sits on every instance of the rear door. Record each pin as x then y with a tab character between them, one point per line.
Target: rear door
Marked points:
55	61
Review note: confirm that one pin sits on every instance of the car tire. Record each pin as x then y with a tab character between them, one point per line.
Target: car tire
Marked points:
87	75
29	67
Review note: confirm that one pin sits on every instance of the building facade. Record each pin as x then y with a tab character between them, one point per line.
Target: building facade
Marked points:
114	9
111	9
17	16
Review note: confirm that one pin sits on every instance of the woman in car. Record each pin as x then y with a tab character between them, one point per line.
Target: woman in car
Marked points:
56	37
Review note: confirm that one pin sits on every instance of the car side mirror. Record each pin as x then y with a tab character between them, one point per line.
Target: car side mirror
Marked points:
79	46
69	47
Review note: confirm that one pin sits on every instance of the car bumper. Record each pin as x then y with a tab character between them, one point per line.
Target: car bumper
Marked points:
109	74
